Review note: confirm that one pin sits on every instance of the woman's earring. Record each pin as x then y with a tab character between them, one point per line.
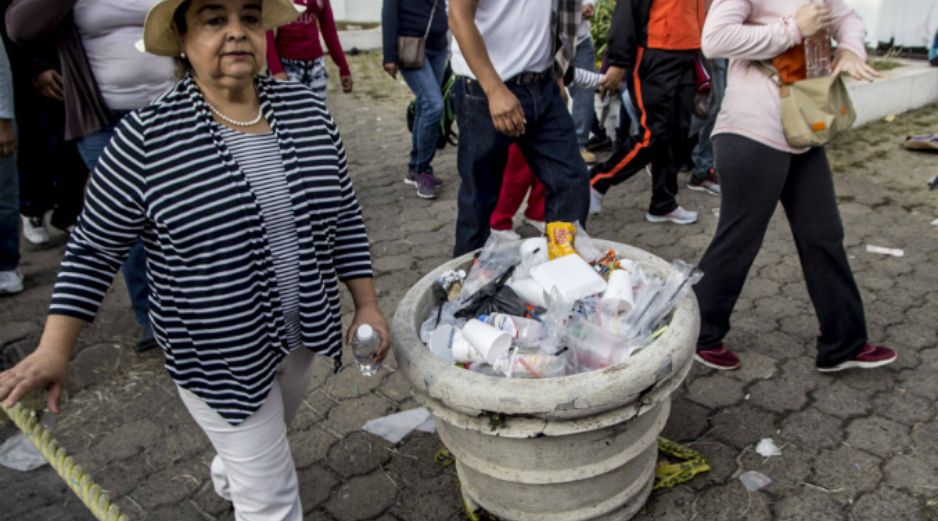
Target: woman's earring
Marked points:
182	55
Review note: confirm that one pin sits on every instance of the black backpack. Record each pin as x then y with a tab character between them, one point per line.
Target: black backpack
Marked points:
447	133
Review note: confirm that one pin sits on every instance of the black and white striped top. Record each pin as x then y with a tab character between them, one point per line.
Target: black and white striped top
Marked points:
258	155
216	305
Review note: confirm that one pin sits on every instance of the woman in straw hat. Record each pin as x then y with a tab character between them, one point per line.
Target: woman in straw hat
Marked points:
239	187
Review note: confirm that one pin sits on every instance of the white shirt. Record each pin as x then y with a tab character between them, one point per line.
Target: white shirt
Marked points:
517	35
127	78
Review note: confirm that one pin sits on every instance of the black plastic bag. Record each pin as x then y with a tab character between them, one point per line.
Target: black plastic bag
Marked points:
494	297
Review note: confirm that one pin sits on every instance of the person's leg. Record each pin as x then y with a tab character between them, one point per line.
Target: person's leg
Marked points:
536	199
753	182
811	206
515	184
584	110
255	470
318	77
9	214
481	159
70	184
550	147
295	374
425	84
664	172
703	151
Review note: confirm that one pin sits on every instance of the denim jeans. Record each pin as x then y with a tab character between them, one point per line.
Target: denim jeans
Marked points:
549	145
425	82
90	148
702	156
584	100
9	214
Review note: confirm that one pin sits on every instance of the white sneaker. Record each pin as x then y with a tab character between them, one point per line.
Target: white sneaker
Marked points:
34	229
541	226
596	202
506	235
10	282
677	216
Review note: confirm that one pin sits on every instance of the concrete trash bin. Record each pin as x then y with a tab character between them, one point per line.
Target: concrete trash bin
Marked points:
579	447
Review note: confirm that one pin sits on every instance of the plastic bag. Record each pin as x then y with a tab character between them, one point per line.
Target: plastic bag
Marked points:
495	297
654	302
585	245
494	259
555	322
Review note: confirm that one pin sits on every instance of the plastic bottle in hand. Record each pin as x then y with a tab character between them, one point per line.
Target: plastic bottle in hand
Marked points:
817	52
365	345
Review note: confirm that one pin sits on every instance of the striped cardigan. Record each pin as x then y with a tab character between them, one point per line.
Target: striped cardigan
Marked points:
168	177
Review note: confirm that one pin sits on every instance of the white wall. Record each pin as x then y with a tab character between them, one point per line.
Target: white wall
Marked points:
357	10
910	23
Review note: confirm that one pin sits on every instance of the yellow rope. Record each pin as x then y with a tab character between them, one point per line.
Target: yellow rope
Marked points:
91	494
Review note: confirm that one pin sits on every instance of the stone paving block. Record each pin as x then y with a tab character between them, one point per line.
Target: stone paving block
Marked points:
781	394
914	473
886	503
351	383
393	263
169	486
809	505
126	441
921	382
362	497
16	330
848	470
669	505
755	366
732	501
865	381
789	471
206	501
312	410
715	391
925	438
179	512
722	460
310	446
358	453
903	407
350	415
878	435
841	401
812	428
316	484
686	422
414	459
743	425
432	500
779	345
396	387
929	357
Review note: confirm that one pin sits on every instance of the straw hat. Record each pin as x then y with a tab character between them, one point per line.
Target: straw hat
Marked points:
159	37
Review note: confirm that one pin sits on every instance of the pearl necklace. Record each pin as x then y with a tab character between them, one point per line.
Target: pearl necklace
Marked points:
235	122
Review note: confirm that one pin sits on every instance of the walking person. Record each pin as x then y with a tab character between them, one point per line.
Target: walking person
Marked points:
517	182
11	281
652	46
403	20
239	186
507	92
108	77
294	51
704	176
584	99
758	168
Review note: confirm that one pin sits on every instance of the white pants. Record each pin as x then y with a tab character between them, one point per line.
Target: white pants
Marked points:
253	467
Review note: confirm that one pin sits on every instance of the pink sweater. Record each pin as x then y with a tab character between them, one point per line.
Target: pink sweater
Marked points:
752	30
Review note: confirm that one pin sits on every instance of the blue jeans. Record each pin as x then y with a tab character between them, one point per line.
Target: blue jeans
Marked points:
549	145
702	156
90	148
426	82
584	100
9	214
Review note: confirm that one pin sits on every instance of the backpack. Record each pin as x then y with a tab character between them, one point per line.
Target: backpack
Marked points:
447	134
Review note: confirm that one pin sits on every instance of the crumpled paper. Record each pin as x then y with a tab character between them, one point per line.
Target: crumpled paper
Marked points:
396	426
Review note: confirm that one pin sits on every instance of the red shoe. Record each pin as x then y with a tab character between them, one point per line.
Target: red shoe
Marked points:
869	357
719	358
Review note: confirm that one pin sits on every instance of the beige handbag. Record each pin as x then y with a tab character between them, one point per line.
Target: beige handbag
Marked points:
412	49
814	111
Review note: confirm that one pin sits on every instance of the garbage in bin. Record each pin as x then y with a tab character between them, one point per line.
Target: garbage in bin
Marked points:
578	309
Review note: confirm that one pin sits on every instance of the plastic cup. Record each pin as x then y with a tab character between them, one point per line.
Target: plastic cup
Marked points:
619	288
462	351
491	343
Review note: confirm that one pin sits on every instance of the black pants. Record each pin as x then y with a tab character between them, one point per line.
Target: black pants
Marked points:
549	144
753	179
662	89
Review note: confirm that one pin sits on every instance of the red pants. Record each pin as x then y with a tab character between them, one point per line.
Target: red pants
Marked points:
516	181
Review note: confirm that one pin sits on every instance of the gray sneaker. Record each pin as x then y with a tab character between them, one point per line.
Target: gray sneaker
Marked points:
426	187
11	282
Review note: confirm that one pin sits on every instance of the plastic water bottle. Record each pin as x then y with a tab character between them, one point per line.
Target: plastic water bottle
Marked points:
817	52
365	345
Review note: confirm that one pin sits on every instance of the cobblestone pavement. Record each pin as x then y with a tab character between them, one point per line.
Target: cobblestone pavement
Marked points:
858	446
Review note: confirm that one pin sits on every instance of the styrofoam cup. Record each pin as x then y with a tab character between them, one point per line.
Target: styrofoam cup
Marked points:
463	351
619	288
491	343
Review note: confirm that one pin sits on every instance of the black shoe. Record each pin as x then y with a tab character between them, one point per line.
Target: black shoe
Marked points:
599	144
146	341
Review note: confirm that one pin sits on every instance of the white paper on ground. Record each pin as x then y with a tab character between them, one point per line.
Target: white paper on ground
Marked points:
18	453
895	252
754	480
935	222
395	426
767	448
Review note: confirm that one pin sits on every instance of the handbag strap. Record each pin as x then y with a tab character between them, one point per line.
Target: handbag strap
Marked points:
430	21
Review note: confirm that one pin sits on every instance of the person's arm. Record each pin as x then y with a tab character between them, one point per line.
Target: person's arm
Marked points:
274	65
368	312
390	21
727	34
330	33
32	20
110	224
7	134
848	30
507	114
622	44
